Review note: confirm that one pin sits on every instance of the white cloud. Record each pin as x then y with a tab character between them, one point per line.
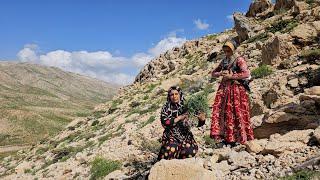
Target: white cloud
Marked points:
201	25
230	18
166	44
100	64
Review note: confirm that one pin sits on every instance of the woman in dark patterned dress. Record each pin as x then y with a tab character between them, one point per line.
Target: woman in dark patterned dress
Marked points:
230	111
177	139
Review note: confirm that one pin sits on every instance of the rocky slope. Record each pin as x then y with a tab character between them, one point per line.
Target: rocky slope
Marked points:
38	101
122	136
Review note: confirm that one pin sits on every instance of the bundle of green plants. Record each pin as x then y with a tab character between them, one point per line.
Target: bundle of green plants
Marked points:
198	103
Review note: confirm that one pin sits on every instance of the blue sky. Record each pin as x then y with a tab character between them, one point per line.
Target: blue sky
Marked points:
95	35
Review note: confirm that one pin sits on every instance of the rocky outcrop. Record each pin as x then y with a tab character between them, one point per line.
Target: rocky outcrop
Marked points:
180	170
284	4
305	34
245	27
277	49
258	6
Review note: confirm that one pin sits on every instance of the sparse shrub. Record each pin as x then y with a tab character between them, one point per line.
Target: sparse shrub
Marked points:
302	175
98	114
151	145
311	55
211	36
260	37
310	1
283	26
209	142
261	71
149	121
101	167
198	103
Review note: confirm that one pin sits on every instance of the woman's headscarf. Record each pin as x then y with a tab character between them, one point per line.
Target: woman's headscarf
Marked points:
174	109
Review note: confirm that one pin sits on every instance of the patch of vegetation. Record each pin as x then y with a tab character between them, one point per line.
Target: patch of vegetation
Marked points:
65	153
98	114
302	175
149	121
211	36
279	11
151	145
198	103
283	26
104	138
261	71
101	167
260	37
150	88
209	142
145	97
310	2
311	55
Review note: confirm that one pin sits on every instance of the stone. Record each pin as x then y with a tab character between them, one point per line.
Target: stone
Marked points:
315	90
241	159
256	146
165	85
293	83
316	134
257	7
180	170
277	49
244	27
284	4
304	33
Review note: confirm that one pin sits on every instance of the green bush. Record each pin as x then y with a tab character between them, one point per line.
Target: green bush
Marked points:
261	71
198	103
260	37
211	37
302	175
311	54
283	26
150	120
101	167
208	141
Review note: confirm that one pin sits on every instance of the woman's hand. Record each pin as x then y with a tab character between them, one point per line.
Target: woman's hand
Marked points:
201	116
180	118
227	75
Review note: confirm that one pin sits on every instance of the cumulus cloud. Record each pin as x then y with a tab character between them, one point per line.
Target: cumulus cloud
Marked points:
230	18
101	65
166	44
201	24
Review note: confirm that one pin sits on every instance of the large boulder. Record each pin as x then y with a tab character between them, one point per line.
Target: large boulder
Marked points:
305	33
180	170
258	6
277	49
245	27
284	4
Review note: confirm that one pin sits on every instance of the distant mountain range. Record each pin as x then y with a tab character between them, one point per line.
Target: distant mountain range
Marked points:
37	101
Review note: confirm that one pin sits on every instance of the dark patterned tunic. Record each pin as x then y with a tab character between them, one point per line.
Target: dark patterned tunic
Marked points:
177	139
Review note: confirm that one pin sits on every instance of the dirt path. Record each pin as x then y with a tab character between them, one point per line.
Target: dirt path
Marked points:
5	149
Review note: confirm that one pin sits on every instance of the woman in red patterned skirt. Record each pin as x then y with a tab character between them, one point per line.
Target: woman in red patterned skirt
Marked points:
230	111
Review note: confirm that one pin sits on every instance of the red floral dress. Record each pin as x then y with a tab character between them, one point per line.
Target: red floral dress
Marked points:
231	110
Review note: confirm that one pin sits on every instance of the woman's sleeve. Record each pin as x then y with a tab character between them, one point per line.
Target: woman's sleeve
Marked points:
244	71
166	120
216	71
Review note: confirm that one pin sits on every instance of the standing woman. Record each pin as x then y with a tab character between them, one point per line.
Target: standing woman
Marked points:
230	111
177	139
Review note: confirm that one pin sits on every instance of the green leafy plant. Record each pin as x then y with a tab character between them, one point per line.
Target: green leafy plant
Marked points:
302	175
198	103
101	167
261	71
311	54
